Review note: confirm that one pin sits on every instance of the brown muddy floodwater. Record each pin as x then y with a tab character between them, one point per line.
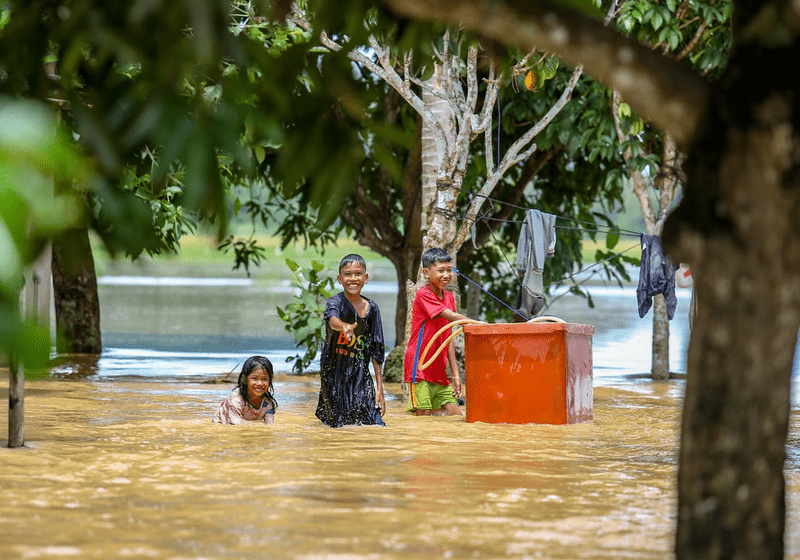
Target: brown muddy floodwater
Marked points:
137	470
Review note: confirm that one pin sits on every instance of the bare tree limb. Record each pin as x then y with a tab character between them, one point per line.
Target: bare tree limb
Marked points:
639	185
663	90
382	69
513	157
483	121
693	43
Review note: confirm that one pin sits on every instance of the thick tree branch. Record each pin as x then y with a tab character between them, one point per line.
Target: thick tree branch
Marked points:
663	90
512	156
383	69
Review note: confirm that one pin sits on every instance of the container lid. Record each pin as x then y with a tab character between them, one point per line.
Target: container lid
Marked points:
528	328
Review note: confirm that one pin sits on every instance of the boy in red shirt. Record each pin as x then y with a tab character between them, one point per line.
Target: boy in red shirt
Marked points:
434	307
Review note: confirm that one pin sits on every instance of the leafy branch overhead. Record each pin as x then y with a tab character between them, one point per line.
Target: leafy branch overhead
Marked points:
454	60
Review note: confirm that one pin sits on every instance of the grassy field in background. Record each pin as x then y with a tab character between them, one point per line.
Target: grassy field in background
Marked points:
198	256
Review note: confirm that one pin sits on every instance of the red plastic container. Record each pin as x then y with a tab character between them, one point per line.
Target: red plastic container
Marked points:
520	373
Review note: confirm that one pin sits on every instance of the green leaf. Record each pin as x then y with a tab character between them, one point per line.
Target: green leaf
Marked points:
662	34
657	20
612	238
637	126
427	72
673	40
260	153
10	264
550	67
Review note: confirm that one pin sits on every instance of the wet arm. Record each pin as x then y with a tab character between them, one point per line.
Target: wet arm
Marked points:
452	315
345	328
380	400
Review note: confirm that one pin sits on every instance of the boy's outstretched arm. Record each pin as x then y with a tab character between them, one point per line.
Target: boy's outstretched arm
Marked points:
380	400
345	328
452	315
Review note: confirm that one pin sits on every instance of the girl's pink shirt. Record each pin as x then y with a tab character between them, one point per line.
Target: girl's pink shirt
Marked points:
234	410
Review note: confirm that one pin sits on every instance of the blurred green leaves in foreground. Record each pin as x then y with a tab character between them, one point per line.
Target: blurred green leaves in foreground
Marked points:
33	153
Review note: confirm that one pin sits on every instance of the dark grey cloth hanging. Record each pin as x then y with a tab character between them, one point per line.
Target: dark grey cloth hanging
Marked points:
656	276
537	241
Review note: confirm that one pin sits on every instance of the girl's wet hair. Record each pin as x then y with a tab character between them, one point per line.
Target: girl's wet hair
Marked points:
251	365
353	258
435	255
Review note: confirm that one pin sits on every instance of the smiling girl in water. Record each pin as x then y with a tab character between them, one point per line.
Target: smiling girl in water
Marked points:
252	397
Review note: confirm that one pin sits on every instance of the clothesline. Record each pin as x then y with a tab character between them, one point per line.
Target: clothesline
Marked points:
484	290
615	255
577	220
513	268
560	282
533	291
624	232
598	227
594	228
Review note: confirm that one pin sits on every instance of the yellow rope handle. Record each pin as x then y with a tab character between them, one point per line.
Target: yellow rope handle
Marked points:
546	319
423	364
451	324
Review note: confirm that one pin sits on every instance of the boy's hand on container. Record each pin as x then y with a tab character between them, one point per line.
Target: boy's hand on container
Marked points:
380	403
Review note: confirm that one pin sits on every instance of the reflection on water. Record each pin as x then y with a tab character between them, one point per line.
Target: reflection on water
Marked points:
130	469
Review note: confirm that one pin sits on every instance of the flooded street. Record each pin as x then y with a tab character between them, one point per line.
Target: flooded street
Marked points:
137	470
122	460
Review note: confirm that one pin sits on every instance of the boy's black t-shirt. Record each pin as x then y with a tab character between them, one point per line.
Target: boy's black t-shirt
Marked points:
347	392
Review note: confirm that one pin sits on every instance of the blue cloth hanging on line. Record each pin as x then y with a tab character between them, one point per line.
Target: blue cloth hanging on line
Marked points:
656	276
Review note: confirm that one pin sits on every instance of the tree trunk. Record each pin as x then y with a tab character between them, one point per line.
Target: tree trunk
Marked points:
16	390
16	403
660	365
474	295
406	268
731	485
431	158
77	305
737	226
664	185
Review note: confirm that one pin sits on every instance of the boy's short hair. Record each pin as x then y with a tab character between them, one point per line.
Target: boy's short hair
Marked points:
435	255
353	258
